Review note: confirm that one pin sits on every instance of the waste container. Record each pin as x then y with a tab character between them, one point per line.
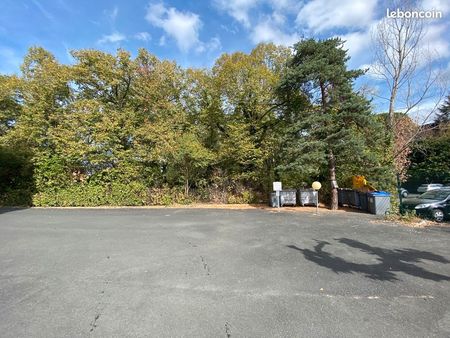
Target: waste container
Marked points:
288	197
273	200
353	199
343	196
379	202
364	202
307	196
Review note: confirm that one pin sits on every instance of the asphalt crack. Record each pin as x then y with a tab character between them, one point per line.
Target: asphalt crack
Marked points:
228	329
94	322
101	305
205	265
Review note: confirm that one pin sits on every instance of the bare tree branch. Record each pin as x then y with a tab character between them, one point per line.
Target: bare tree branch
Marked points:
405	63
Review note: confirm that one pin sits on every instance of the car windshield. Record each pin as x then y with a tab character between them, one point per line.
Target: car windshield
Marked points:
435	195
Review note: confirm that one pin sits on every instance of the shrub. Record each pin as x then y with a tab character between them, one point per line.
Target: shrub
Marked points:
90	194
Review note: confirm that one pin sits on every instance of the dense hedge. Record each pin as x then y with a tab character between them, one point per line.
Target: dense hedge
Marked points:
133	194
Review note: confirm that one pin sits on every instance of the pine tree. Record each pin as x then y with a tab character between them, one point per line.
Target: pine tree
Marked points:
337	127
443	116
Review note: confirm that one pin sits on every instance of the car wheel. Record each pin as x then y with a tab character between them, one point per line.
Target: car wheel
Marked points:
404	194
438	215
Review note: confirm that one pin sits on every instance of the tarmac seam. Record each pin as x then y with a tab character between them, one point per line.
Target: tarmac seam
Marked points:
274	293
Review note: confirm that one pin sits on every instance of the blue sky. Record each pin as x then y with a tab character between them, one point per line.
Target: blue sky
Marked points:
195	33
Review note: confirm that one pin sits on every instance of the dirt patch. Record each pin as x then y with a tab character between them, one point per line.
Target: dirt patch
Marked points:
414	222
310	209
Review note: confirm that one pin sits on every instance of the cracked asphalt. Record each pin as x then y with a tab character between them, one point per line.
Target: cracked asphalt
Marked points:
219	273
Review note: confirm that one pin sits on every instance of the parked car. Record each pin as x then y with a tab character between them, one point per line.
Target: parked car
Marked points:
434	204
404	192
428	187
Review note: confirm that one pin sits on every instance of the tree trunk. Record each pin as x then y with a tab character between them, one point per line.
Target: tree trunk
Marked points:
186	182
186	188
391	112
333	183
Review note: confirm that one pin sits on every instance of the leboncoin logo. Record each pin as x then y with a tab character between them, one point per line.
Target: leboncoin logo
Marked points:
414	14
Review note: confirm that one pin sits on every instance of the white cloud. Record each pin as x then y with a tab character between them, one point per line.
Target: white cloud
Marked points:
435	42
357	42
143	36
112	38
230	29
438	5
111	14
114	13
182	26
211	46
162	40
322	15
285	5
268	31
425	111
10	61
371	72
238	9
44	11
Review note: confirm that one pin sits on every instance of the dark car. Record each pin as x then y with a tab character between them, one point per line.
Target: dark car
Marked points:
434	204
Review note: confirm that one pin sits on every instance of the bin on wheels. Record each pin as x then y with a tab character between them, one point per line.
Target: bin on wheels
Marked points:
288	197
379	202
307	196
273	200
341	195
353	199
364	202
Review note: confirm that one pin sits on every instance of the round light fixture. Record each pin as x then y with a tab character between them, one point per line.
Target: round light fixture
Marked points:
316	185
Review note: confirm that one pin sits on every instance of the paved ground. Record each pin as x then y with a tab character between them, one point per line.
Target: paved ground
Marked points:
219	273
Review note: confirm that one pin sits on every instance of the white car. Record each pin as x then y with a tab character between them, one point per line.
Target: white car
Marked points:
428	187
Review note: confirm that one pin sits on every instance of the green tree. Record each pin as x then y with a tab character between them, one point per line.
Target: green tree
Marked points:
337	126
246	84
443	116
10	107
189	158
44	96
430	160
102	121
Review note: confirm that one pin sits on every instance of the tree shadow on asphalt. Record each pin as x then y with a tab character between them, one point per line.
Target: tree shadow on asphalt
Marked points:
4	210
391	261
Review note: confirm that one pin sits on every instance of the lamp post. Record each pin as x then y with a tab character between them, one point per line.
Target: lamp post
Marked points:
316	186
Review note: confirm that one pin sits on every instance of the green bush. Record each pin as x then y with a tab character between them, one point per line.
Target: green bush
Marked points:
244	197
88	195
17	198
168	196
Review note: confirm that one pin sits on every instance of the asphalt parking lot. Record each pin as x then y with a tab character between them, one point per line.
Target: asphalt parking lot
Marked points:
219	273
